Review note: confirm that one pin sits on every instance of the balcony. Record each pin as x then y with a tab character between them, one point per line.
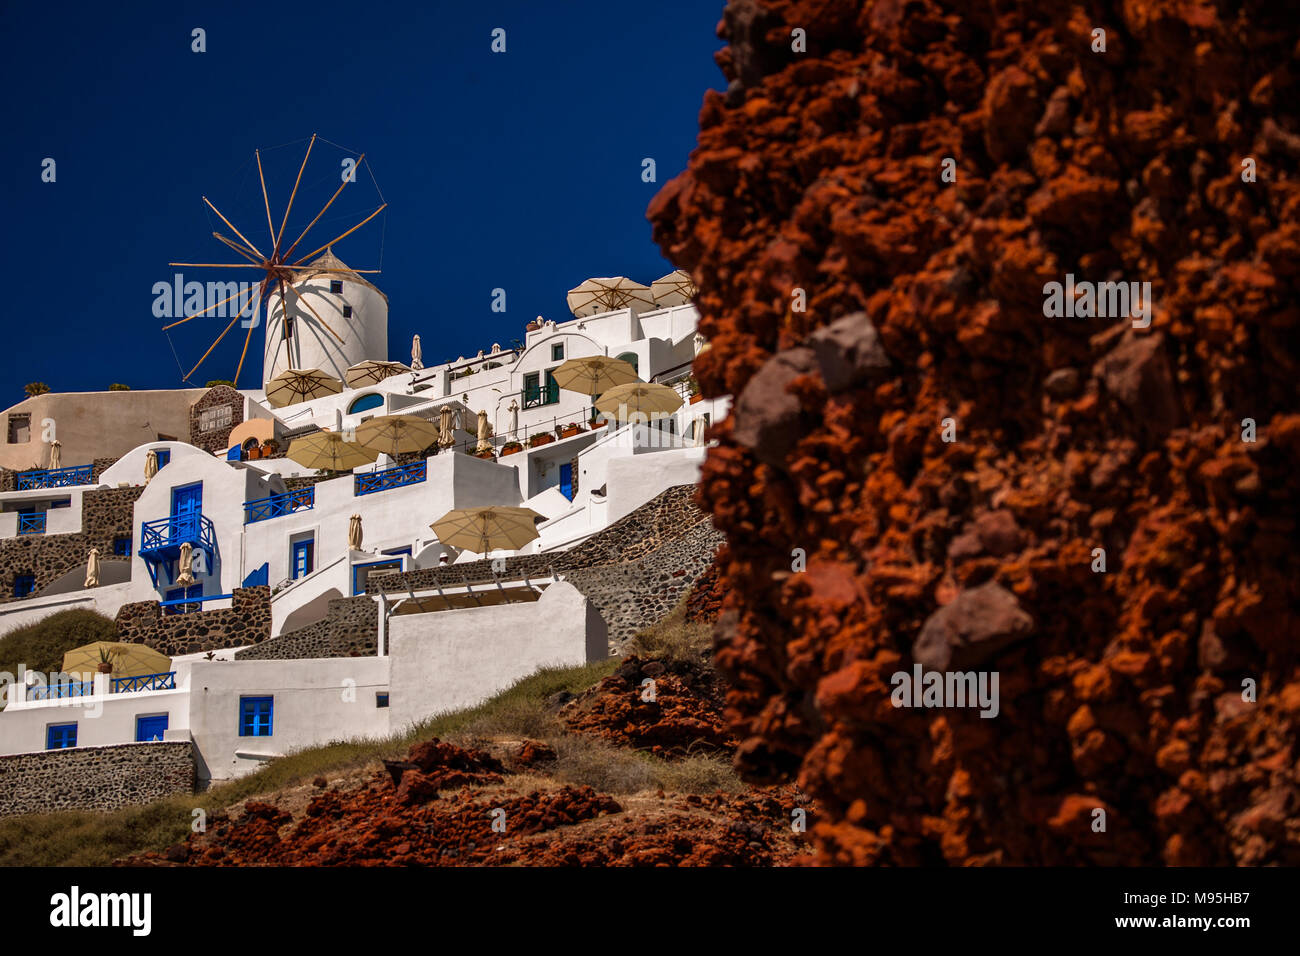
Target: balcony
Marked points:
60	691
161	539
127	685
55	478
32	523
369	482
537	395
277	506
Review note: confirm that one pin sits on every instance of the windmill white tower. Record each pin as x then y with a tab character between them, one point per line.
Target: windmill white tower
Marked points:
335	319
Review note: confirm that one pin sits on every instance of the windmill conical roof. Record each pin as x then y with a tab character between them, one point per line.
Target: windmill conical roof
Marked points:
327	260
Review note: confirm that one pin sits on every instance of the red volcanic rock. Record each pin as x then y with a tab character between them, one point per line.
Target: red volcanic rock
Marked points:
933	165
967	632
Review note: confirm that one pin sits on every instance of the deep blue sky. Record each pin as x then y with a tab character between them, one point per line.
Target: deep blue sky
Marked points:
519	170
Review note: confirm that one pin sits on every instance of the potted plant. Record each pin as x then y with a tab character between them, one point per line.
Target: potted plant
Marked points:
569	430
486	453
541	438
510	447
532	326
595	423
694	388
105	661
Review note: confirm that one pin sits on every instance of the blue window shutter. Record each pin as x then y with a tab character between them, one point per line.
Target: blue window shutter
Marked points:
255	716
566	480
60	736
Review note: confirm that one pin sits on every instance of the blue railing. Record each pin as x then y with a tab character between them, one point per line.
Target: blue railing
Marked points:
162	534
55	478
124	685
369	482
198	598
277	506
32	523
56	691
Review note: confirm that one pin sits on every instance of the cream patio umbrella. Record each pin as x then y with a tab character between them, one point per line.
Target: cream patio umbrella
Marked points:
354	532
186	573
150	465
329	451
56	454
300	385
623	400
128	660
594	374
595	296
484	432
92	569
514	420
372	372
486	529
397	434
417	354
446	433
676	288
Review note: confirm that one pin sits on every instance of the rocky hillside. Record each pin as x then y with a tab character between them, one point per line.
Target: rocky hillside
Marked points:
1101	511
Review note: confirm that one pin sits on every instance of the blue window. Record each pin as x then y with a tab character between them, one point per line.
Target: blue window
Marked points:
24	584
336	286
365	403
566	480
164	455
150	728
122	546
381	699
255	716
60	736
304	554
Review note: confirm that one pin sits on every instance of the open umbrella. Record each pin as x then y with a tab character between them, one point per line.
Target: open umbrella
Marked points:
92	569
300	385
128	660
330	451
623	400
372	372
150	465
593	374
485	529
397	434
595	296
676	288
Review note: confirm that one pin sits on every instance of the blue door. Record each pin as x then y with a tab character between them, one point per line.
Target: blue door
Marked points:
150	728
187	504
566	480
302	558
177	594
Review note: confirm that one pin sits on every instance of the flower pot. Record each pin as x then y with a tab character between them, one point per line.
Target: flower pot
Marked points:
696	398
595	425
570	432
484	454
105	667
540	440
511	450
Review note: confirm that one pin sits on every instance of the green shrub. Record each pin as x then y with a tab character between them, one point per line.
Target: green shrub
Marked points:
119	387
35	388
41	646
213	383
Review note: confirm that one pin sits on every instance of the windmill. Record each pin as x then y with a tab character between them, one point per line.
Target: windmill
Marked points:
280	267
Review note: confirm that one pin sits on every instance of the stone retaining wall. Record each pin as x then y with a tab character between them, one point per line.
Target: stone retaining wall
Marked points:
95	778
348	629
106	514
247	621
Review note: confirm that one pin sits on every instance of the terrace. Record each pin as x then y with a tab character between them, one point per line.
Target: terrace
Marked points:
55	478
277	506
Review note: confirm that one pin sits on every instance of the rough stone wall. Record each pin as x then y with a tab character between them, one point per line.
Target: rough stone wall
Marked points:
975	540
95	778
215	439
246	622
349	629
635	571
106	514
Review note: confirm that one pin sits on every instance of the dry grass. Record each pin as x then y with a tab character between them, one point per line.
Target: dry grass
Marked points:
674	639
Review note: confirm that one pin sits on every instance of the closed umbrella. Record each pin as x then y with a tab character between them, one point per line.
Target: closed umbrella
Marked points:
514	420
92	569
594	374
397	434
700	426
486	529
186	573
676	288
595	296
330	451
446	435
417	354
56	454
372	372
150	465
128	660
484	432
354	532
623	400
300	385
